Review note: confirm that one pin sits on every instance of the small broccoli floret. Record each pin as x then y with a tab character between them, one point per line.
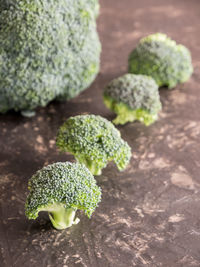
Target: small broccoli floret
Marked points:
61	189
161	58
133	97
94	141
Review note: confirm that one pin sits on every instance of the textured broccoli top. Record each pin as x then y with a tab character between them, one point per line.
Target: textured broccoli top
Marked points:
160	57
48	49
62	185
93	141
136	91
133	97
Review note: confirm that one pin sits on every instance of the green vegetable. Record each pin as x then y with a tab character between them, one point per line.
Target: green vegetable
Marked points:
61	189
94	141
161	58
133	97
48	49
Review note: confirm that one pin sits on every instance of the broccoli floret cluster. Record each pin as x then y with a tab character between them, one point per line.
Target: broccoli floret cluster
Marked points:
133	97
48	49
94	141
161	58
61	189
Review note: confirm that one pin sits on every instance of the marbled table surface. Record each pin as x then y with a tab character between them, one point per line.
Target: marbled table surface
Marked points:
149	214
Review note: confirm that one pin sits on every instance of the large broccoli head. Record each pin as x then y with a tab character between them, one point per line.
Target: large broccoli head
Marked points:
48	49
61	189
93	141
133	97
161	58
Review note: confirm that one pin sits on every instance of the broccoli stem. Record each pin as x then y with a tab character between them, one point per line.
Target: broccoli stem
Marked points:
136	115
94	167
126	114
28	113
61	217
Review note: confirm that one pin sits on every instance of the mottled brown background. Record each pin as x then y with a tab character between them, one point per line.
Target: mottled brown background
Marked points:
150	214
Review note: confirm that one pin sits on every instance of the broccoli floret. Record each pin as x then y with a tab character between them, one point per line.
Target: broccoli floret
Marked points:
48	49
133	97
94	141
61	189
161	58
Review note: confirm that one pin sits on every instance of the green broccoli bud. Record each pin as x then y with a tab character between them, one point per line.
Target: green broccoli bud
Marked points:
94	141
133	97
48	50
161	58
61	189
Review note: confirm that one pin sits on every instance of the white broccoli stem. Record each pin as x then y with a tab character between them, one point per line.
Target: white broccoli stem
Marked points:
28	113
92	166
63	218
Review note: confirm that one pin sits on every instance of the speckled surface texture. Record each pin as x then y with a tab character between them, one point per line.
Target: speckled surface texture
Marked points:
149	215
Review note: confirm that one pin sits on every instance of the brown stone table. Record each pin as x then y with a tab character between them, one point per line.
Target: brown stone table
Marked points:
150	214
